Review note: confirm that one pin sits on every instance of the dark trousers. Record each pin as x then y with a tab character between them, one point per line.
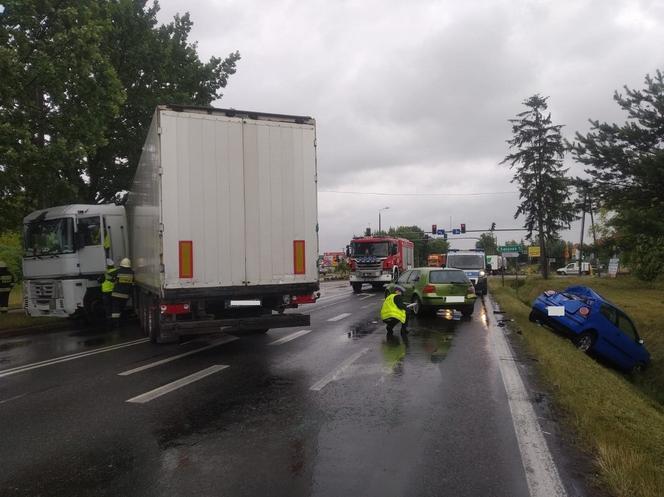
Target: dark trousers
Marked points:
4	301
390	323
118	305
107	300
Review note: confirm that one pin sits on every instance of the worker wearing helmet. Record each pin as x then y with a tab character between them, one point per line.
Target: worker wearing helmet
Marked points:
394	311
107	287
6	284
123	285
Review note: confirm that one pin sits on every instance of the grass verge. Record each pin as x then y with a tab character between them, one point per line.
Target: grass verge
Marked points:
14	321
615	420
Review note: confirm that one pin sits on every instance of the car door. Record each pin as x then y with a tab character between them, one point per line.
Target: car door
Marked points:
403	278
412	282
620	350
628	339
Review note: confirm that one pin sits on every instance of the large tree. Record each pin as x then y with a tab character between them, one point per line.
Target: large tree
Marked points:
625	162
487	242
58	93
81	79
537	159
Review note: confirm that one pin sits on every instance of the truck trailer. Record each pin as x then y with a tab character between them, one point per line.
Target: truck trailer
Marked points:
223	223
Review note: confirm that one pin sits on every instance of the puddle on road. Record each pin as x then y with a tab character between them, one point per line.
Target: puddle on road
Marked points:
364	328
14	345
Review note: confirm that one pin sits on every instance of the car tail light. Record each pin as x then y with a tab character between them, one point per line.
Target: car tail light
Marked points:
584	311
550	293
429	289
175	308
304	299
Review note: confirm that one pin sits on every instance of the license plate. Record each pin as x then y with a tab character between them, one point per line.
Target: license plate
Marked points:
455	300
244	303
555	310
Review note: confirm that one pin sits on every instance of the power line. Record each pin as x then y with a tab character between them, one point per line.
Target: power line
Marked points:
388	194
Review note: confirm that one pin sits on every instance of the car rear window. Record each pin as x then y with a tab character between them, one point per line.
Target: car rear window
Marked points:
447	277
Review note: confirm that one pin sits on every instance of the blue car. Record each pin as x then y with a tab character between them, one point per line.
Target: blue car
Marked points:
595	325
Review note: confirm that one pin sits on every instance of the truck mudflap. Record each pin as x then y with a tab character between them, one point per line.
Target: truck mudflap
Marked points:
244	323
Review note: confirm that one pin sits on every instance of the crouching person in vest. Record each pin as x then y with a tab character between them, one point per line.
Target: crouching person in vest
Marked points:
394	312
124	281
6	284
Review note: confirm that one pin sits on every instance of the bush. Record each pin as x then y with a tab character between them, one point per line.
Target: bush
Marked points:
11	252
647	259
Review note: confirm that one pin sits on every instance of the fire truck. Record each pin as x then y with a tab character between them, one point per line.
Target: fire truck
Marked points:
378	260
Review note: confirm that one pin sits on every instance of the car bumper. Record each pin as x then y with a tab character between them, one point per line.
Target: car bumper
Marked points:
447	301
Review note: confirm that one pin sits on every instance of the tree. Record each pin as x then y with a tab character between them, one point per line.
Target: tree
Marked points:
544	190
58	93
487	242
81	79
626	165
156	65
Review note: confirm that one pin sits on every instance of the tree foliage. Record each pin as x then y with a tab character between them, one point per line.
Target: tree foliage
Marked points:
625	163
647	258
81	79
487	242
537	157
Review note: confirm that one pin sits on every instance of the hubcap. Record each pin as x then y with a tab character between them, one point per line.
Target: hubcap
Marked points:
584	343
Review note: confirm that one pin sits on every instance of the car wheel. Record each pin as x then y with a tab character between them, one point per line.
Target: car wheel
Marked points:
534	317
639	367
585	341
417	308
357	287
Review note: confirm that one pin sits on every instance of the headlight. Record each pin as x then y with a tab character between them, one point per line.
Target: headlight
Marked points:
482	273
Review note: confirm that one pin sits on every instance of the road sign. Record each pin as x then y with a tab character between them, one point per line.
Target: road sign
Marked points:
534	251
511	254
614	264
440	232
503	249
456	231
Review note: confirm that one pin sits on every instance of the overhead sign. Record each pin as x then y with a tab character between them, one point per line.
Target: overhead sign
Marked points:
456	231
440	232
503	249
534	251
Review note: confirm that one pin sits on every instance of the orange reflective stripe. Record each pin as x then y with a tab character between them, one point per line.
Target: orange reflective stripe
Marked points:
299	262
186	253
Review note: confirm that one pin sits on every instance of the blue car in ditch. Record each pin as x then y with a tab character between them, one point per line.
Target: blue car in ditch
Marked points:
594	324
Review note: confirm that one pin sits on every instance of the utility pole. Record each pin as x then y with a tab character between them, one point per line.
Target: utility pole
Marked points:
592	226
583	227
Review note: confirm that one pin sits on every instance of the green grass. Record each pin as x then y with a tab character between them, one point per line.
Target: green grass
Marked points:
12	321
16	297
616	420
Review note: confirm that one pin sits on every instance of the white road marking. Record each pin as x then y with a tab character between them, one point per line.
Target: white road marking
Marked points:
169	387
290	337
70	357
541	472
222	341
320	384
339	317
366	297
367	306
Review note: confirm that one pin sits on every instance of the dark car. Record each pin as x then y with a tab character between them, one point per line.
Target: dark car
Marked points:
432	288
594	324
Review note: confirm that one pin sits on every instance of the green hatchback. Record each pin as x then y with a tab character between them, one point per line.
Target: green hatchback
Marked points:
432	288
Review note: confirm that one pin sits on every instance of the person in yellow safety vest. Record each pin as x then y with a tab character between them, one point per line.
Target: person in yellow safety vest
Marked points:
107	286
394	311
123	284
107	242
6	284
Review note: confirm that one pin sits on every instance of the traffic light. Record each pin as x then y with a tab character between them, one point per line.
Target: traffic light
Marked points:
463	227
493	226
434	229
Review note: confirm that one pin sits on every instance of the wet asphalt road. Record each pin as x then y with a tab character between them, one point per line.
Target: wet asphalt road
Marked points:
335	411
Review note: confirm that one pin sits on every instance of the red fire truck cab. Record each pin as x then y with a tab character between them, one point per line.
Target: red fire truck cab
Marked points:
378	260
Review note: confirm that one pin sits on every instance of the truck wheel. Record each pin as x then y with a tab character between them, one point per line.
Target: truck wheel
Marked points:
152	323
94	311
357	287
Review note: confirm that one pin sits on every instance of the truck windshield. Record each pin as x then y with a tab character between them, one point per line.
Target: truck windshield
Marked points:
377	249
465	261
48	237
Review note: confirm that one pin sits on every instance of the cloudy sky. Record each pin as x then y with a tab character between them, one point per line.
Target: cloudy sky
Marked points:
412	98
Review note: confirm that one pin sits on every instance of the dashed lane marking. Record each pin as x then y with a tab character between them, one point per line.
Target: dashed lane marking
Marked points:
217	343
339	317
170	387
70	357
290	337
320	384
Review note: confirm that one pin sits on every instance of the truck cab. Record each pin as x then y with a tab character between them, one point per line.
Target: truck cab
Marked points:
378	260
473	263
65	252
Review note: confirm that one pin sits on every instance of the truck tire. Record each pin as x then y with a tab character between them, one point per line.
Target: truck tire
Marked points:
152	321
357	287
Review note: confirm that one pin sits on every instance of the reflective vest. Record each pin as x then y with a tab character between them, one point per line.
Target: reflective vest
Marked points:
110	276
390	310
123	283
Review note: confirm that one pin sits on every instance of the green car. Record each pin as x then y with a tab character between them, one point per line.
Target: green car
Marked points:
432	288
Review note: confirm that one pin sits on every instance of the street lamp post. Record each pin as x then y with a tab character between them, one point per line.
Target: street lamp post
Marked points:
379	225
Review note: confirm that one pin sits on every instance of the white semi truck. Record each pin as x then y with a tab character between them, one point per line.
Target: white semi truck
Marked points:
223	221
221	226
65	251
